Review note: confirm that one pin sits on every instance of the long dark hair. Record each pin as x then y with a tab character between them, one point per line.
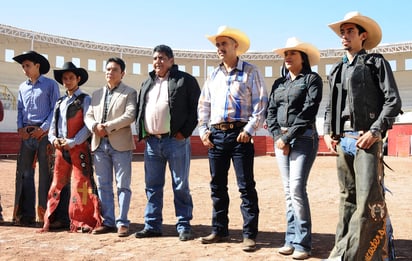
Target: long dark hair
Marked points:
305	65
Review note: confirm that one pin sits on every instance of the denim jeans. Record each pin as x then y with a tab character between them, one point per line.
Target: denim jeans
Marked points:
25	189
364	230
176	153
294	169
107	160
226	148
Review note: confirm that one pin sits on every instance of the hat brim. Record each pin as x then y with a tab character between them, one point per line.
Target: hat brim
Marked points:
373	29
242	40
34	57
311	51
84	76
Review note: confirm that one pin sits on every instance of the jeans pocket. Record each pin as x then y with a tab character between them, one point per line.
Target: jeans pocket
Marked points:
348	145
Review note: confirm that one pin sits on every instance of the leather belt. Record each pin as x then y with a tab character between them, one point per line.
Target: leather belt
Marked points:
354	135
159	136
224	126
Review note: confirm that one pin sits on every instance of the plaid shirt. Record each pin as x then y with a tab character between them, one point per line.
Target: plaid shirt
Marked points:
239	95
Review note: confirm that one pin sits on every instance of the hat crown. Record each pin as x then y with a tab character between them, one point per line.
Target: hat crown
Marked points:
293	42
352	14
68	66
222	28
240	37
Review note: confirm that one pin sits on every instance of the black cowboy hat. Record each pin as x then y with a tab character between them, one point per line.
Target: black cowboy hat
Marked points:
70	67
36	58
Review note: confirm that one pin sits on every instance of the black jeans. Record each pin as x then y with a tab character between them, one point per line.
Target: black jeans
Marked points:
242	154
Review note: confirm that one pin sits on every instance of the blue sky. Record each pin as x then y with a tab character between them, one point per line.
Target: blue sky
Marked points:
183	24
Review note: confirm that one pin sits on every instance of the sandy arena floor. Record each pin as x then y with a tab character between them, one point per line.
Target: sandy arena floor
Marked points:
22	243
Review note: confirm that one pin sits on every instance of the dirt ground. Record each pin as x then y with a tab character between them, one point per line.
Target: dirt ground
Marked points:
23	243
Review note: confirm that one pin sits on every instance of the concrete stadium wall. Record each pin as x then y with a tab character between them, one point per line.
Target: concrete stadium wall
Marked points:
11	76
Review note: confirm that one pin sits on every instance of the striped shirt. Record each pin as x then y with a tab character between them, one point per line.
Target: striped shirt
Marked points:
239	95
35	103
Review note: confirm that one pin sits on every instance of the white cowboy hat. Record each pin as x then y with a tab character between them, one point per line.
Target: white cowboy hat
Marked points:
294	43
372	27
240	37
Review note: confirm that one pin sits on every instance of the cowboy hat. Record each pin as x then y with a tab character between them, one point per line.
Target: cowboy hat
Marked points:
294	43
372	27
36	58
240	37
70	67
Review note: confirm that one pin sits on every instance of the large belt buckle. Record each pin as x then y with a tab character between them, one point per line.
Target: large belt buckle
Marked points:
226	126
223	126
158	136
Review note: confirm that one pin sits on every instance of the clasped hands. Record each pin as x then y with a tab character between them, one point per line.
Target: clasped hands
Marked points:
100	130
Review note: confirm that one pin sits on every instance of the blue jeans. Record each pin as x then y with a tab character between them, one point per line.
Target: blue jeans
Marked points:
295	168
107	159
176	153
25	196
242	155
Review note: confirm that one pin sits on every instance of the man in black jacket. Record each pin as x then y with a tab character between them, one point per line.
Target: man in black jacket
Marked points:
364	101
167	116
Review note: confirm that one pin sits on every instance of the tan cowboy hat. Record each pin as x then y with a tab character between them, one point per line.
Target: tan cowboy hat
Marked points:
372	27
240	37
36	58
70	67
294	43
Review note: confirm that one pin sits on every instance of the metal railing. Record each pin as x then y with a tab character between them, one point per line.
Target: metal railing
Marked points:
188	54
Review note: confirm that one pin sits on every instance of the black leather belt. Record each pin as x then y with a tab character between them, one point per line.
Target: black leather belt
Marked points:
160	136
229	125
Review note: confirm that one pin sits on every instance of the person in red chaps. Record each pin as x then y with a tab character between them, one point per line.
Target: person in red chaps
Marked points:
73	163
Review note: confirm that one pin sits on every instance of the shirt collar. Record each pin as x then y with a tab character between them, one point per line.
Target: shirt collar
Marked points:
40	79
110	91
346	60
161	79
288	77
239	66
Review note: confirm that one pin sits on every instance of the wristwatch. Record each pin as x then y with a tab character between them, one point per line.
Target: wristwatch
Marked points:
375	133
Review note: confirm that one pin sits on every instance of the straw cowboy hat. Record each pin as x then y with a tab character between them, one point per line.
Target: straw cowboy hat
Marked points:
372	27
70	67
36	58
240	37
294	43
